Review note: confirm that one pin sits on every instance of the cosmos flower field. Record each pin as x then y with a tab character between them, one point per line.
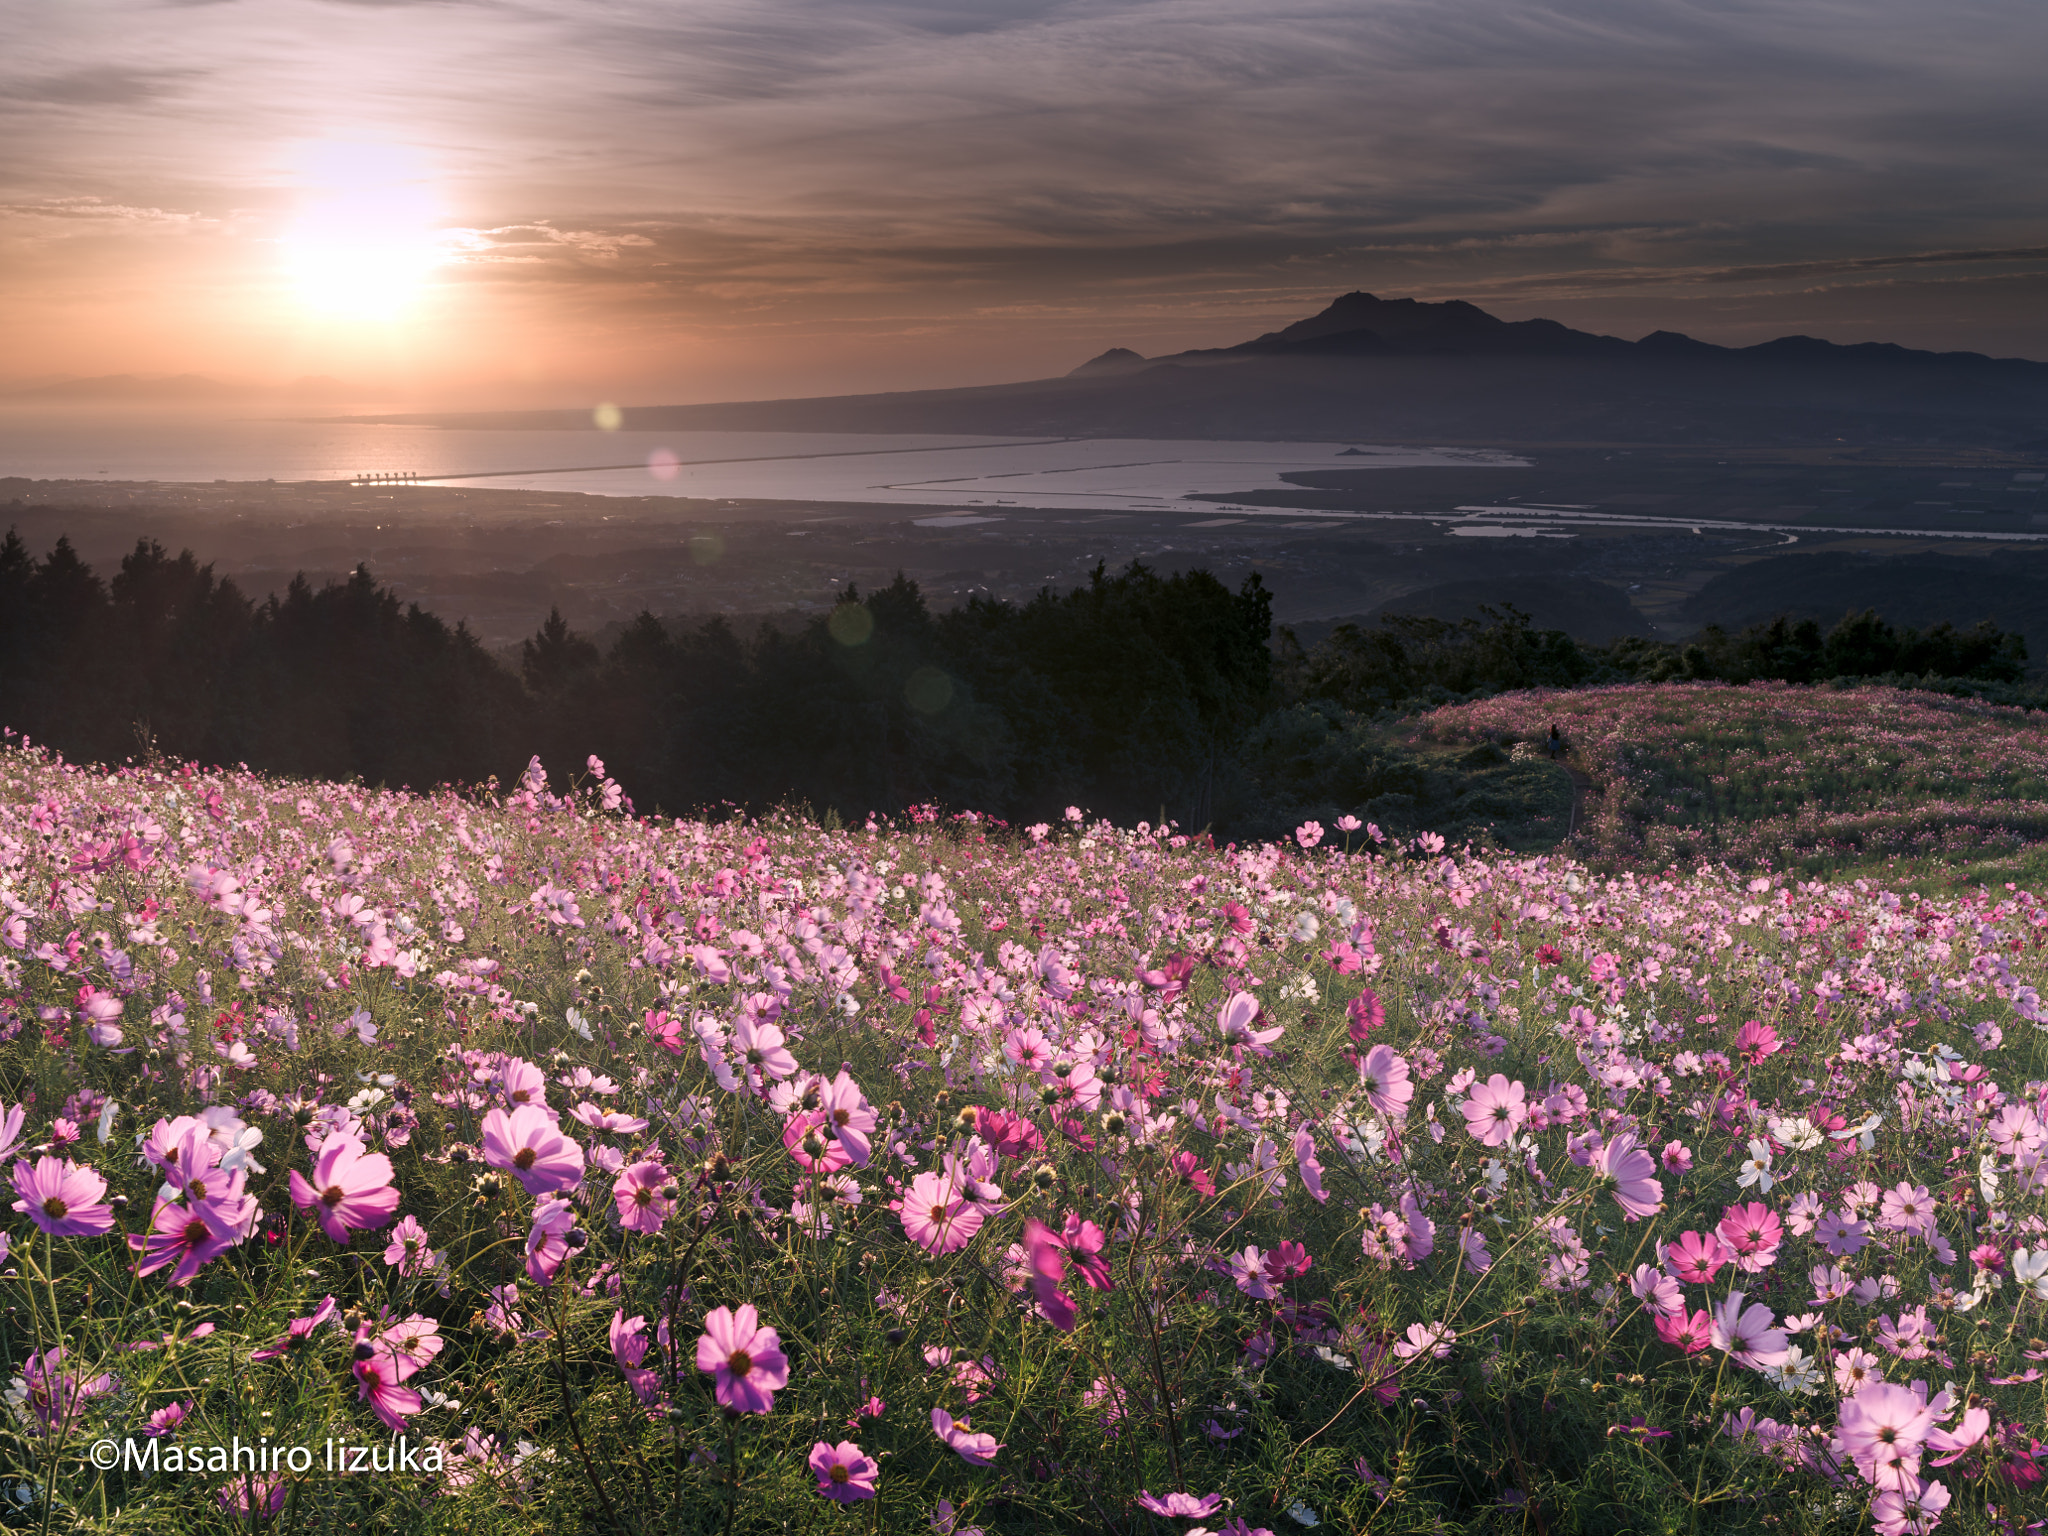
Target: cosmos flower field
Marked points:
573	1171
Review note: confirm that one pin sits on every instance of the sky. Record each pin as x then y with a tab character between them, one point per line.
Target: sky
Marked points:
660	201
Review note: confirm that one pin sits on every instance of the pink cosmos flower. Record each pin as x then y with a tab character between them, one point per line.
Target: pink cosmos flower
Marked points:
808	1139
1084	1242
194	1237
746	1359
165	1420
408	1249
251	1498
528	1144
637	1192
1183	1506
380	1372
936	1216
547	1245
1311	1167
1631	1168
1842	1235
57	1397
1754	1232
1906	1208
628	1338
760	1045
1048	1265
1289	1261
1239	1023
1696	1258
522	1083
1432	1339
1883	1428
974	1448
1495	1110
1367	1013
62	1198
1974	1425
1657	1291
1691	1334
297	1332
1188	1166
1856	1369
1384	1076
350	1188
1746	1334
1248	1272
1677	1157
1912	1509
845	1475
849	1118
1006	1134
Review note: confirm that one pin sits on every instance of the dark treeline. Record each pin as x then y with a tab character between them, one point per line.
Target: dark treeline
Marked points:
1135	695
1124	695
1410	662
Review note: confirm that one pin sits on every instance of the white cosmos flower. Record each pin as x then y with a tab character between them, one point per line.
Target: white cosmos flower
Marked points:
1987	1178
1800	1373
1866	1132
1756	1168
1797	1132
2030	1268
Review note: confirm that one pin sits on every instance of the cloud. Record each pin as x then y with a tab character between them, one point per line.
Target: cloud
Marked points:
732	162
101	86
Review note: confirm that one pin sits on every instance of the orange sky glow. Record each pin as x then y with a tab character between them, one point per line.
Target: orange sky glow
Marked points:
506	203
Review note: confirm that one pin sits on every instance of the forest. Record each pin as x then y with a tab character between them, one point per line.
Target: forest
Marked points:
1138	696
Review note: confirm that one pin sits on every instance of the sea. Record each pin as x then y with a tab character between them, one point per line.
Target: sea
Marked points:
1124	474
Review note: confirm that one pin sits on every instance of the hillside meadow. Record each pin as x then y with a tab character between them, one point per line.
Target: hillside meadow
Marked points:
569	1171
1902	785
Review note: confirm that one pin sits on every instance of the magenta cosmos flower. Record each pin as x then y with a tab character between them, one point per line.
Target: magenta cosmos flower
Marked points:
1495	1110
1631	1170
350	1189
1697	1257
62	1198
194	1237
746	1358
529	1145
844	1474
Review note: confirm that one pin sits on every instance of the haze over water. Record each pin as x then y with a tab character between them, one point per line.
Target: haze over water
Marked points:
911	470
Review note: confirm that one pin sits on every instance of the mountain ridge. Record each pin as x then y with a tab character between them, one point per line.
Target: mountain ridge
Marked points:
1436	372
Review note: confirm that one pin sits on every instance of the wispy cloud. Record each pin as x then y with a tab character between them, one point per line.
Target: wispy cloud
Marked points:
725	163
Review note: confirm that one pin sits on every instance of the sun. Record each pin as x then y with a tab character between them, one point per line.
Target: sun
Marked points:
364	243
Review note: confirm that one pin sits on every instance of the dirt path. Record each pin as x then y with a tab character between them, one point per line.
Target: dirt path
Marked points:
1582	786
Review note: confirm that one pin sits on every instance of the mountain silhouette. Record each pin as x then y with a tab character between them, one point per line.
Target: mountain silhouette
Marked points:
1405	370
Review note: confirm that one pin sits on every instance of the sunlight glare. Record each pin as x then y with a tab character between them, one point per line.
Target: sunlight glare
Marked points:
364	241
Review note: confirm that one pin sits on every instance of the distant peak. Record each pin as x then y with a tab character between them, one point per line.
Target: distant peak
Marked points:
1115	360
